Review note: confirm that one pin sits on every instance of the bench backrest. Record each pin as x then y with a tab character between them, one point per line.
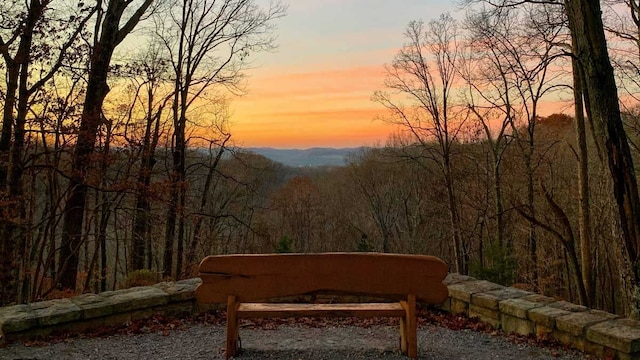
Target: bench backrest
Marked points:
259	277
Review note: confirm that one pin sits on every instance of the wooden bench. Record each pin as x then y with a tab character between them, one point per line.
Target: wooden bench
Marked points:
241	280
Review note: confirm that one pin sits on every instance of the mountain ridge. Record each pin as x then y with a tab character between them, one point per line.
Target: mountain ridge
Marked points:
311	157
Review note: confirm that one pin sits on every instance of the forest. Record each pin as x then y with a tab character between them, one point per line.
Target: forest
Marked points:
118	165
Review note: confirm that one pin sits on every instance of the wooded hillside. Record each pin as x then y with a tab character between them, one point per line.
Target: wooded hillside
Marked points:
117	167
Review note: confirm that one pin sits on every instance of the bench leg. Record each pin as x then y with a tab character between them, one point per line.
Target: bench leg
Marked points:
232	327
409	328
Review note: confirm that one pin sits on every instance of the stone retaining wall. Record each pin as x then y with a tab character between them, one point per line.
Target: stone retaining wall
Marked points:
522	312
509	309
90	311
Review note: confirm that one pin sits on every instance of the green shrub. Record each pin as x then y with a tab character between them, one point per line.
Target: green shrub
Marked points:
499	266
141	278
284	245
364	245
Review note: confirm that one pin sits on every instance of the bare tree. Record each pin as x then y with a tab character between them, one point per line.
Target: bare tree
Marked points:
513	51
489	97
216	150
424	73
109	34
601	101
600	96
60	104
26	44
584	194
152	94
208	42
378	186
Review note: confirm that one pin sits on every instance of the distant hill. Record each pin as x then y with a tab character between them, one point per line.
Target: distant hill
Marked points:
308	157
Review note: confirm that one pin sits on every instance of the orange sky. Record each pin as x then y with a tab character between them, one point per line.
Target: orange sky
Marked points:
322	108
308	109
315	90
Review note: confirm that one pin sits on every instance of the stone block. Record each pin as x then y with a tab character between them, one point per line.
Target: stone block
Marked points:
619	334
512	324
78	327
576	323
518	307
567	306
16	318
38	332
178	291
142	314
176	309
193	281
567	339
445	306
464	290
592	348
543	332
52	312
93	305
459	307
489	316
455	278
584	345
537	298
135	298
624	356
117	319
546	316
491	299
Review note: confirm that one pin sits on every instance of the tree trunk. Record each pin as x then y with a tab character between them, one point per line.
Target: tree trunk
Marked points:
181	229
585	24
497	188
460	252
12	245
584	215
176	202
175	211
170	231
12	73
8	266
14	230
110	36
97	90
533	235
191	253
141	223
105	201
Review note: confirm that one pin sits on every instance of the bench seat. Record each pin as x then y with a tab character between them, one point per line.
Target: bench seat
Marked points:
365	310
243	280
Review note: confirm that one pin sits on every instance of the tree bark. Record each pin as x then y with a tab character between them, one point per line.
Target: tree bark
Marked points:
584	215
12	73
12	240
142	221
461	256
585	24
111	35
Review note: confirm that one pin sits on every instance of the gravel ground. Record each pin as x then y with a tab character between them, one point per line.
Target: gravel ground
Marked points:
289	342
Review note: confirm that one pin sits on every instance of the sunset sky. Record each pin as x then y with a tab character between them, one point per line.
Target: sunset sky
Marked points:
315	89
